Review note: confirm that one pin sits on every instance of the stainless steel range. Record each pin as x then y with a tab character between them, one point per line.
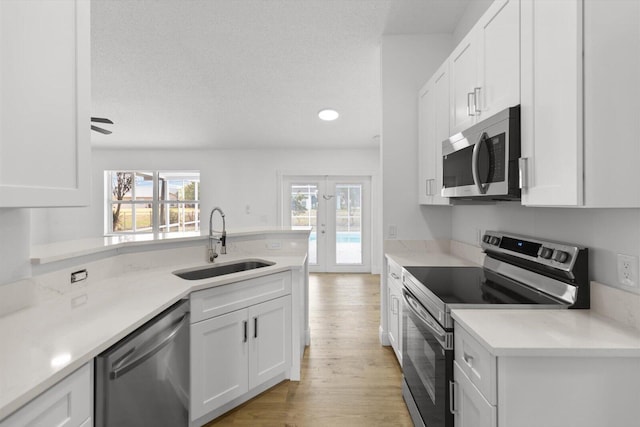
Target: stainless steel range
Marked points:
518	272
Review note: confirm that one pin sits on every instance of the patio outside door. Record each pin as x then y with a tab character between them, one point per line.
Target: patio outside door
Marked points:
337	208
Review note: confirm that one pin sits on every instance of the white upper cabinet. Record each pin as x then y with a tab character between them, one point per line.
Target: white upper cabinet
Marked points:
433	123
464	83
611	103
551	102
485	67
498	38
580	115
45	104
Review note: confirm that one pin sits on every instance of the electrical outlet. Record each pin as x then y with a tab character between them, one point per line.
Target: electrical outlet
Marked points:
628	270
393	231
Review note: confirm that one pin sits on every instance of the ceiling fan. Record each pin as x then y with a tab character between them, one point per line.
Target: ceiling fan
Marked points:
101	120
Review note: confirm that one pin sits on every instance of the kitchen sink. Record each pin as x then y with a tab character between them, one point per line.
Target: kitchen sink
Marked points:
216	270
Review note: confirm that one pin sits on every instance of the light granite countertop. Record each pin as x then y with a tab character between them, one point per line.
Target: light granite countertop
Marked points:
44	343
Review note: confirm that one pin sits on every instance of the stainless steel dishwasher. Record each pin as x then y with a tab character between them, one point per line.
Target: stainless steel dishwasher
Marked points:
144	379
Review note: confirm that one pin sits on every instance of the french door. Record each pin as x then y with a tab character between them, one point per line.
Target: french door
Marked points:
337	208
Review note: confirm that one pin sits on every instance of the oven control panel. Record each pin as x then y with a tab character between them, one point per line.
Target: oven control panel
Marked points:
558	255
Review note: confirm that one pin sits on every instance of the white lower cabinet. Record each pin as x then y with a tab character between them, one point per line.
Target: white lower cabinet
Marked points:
234	352
540	388
471	409
219	360
69	403
394	307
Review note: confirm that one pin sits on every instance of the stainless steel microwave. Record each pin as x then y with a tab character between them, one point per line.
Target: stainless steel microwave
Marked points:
482	161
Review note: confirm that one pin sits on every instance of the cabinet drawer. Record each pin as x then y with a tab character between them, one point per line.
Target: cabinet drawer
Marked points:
477	363
234	296
394	271
66	404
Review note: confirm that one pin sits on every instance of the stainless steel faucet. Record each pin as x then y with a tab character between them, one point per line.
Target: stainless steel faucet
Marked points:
222	238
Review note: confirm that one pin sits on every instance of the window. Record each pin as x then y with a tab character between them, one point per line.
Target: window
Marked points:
152	201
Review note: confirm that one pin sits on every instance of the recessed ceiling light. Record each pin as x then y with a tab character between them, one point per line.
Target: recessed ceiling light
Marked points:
328	114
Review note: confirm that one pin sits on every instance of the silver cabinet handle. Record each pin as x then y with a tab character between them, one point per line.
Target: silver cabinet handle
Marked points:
431	187
471	111
475	166
452	397
476	99
426	186
523	172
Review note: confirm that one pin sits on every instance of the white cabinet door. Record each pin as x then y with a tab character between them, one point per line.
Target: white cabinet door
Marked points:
219	359
394	307
471	409
426	136
395	313
66	404
433	110
611	107
499	58
463	66
442	132
45	104
270	337
551	102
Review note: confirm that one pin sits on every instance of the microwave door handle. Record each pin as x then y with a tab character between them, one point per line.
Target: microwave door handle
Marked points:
482	188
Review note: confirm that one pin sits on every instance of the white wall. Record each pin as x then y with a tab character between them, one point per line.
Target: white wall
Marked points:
606	232
407	62
471	15
231	179
14	245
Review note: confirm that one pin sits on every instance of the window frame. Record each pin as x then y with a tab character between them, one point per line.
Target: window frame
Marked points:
155	202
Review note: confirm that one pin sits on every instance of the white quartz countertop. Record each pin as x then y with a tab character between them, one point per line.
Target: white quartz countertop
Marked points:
428	259
44	343
531	332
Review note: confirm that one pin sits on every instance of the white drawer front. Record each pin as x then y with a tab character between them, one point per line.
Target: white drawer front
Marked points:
477	363
66	404
394	271
226	298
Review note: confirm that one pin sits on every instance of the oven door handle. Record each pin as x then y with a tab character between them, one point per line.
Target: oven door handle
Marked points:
475	167
435	330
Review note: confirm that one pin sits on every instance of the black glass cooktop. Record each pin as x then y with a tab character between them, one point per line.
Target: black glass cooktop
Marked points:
475	285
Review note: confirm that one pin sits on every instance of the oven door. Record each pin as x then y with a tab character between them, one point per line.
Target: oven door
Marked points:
427	364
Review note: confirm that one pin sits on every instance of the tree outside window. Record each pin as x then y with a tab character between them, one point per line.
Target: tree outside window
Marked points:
152	201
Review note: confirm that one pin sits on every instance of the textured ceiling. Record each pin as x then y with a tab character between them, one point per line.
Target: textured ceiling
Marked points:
247	73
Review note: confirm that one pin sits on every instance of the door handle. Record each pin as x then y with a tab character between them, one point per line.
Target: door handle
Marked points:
482	188
476	99
523	163
470	111
452	397
255	327
147	350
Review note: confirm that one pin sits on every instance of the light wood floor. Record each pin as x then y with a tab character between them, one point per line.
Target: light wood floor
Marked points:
348	378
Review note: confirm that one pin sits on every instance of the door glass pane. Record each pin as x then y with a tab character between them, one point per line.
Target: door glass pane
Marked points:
304	214
348	224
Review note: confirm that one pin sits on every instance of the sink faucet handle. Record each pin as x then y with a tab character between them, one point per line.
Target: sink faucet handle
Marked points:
212	255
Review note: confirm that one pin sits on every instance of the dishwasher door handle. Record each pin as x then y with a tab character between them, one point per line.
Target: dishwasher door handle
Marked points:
146	350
